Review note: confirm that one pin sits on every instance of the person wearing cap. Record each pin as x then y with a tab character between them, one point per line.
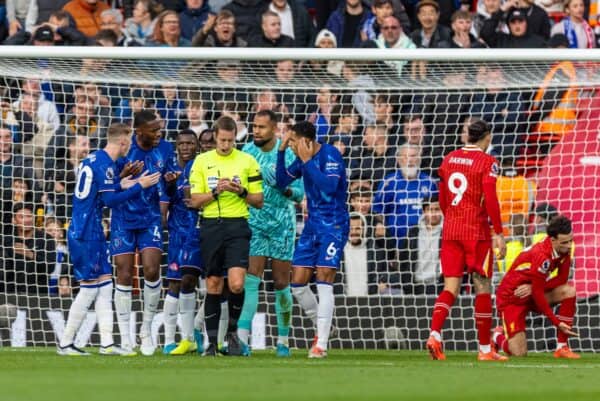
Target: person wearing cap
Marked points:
57	31
518	36
346	22
431	34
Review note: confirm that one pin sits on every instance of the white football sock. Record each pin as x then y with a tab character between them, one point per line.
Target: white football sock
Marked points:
485	348
187	306
324	314
77	313
223	322
170	317
123	308
104	312
308	302
199	318
151	297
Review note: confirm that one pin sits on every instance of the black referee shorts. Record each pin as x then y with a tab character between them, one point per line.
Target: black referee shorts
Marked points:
225	243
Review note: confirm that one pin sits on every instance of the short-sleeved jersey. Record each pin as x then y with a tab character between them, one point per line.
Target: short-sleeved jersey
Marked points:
326	199
278	212
238	166
144	210
96	173
182	220
463	175
533	266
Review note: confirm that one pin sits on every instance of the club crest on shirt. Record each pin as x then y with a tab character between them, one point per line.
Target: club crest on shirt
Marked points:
545	267
173	267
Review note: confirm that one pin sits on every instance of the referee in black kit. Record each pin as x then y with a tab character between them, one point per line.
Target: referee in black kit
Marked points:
224	181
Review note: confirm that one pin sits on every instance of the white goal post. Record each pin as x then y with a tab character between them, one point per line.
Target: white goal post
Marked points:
543	105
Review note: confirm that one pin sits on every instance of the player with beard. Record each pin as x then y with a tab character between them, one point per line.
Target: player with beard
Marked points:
273	233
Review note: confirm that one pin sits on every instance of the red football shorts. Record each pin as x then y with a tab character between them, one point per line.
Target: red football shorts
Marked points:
473	255
513	318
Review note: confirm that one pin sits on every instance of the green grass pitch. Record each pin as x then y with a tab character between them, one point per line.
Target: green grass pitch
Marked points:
39	374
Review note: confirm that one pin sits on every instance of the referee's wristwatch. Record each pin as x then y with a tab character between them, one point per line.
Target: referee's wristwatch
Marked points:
244	193
214	193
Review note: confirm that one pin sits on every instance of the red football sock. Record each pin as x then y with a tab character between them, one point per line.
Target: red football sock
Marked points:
566	311
502	343
483	317
442	306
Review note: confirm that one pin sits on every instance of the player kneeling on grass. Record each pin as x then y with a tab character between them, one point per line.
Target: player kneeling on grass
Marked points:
97	187
184	251
325	233
526	288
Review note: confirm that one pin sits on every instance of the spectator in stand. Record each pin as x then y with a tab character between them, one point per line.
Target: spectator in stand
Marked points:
574	26
37	119
399	196
376	158
219	31
54	228
329	70
105	38
171	109
357	76
41	10
247	16
65	32
19	14
461	23
61	175
84	120
420	251
141	25
344	128
414	133
28	255
392	37
137	101
538	22
485	10
195	113
12	164
193	17
387	112
167	31
431	34
502	108
270	35
113	19
18	192
346	22
362	261
518	37
86	14
382	9
295	21
322	117
57	31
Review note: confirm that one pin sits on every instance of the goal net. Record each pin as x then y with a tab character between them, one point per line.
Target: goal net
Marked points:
393	115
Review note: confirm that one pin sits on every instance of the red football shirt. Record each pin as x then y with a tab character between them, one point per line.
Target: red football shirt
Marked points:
468	194
533	266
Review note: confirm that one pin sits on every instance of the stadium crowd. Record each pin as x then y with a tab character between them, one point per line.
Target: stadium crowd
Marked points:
392	141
